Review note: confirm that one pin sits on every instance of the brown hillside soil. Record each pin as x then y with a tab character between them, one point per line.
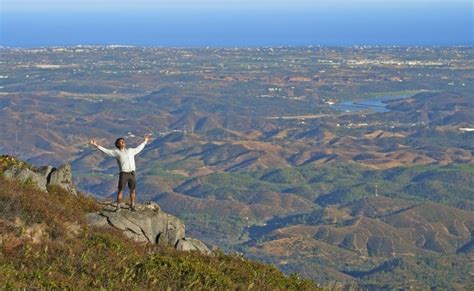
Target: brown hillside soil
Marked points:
372	230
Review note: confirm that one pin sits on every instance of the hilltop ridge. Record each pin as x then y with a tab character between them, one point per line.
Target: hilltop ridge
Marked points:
46	242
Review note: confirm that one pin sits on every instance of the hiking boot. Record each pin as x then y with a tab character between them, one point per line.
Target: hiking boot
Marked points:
132	208
118	208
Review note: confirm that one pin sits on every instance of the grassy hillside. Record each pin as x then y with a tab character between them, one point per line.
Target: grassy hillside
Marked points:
45	243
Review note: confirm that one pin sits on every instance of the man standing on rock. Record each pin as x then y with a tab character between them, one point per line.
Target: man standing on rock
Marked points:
126	162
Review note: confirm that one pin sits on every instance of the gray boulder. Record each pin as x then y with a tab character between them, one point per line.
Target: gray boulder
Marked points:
192	244
26	175
147	224
44	176
45	171
62	177
95	219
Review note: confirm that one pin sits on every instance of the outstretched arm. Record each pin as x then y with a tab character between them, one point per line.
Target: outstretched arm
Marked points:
106	151
139	148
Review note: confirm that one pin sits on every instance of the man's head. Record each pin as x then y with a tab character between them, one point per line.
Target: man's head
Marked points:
120	143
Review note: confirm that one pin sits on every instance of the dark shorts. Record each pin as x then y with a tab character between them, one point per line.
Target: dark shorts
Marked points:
127	178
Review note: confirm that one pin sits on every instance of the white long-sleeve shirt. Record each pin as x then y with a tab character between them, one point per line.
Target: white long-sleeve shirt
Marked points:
125	158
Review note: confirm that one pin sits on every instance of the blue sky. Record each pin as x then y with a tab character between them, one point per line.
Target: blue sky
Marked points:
127	5
29	23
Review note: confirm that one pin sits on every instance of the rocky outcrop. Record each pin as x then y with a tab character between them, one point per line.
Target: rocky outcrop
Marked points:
62	177
147	224
191	244
26	175
43	176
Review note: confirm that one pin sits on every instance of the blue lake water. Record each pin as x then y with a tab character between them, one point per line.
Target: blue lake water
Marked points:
377	104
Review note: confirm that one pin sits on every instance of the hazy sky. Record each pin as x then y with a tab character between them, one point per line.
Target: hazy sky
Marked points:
99	5
236	22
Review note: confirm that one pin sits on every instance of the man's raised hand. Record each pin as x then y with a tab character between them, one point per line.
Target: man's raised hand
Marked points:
93	142
147	138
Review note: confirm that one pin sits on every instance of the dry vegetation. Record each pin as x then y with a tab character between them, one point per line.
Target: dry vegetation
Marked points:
45	243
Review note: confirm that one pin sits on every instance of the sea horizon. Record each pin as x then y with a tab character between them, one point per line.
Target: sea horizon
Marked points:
251	29
436	25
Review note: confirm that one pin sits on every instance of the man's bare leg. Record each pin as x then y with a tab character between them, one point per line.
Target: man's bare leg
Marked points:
133	195
119	198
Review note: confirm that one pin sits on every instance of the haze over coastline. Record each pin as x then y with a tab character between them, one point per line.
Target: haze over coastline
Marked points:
263	23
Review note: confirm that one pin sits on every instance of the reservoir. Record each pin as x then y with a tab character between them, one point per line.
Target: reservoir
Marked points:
375	104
